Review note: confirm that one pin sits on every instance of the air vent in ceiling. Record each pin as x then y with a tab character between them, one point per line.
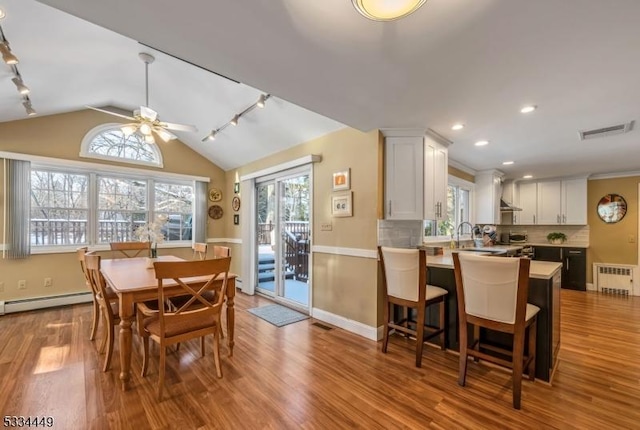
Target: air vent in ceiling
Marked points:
606	131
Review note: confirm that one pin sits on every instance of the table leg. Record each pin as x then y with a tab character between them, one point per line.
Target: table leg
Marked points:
126	319
231	312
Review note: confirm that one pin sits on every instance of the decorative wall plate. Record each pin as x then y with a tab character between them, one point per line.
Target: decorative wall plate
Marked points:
215	211
235	203
215	195
612	208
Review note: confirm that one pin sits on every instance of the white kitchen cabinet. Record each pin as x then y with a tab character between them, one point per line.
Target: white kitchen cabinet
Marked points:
416	177
435	179
487	196
528	202
549	202
404	178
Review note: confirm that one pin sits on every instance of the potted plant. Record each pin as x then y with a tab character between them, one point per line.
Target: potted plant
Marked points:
556	238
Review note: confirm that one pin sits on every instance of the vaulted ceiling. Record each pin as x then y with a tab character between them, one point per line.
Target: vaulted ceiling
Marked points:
476	62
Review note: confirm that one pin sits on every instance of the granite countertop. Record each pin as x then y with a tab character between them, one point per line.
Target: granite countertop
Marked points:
538	269
564	245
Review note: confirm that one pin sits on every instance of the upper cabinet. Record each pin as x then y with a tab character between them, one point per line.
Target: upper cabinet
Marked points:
553	202
488	190
415	178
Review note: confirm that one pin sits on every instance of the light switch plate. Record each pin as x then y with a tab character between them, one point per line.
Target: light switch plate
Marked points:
326	226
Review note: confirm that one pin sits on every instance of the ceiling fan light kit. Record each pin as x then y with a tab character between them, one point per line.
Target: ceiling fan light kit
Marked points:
385	10
146	120
11	60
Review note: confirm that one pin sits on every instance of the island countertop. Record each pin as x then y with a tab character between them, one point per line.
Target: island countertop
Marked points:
538	269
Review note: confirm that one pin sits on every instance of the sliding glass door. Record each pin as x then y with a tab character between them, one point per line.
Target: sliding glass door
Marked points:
283	236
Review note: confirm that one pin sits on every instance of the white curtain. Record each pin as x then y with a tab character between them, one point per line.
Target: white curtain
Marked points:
17	203
200	221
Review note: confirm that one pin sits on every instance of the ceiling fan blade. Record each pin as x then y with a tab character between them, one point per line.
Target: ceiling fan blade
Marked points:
164	134
148	113
130	118
179	127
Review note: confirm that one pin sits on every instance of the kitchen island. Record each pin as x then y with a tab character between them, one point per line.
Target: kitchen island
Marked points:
544	292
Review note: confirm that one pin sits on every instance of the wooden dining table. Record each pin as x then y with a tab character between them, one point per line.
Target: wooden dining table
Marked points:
133	281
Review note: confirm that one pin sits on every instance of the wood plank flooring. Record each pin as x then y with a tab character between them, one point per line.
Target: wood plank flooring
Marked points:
303	376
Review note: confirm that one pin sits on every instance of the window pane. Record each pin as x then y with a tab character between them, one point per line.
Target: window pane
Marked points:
174	203
59	208
122	207
114	143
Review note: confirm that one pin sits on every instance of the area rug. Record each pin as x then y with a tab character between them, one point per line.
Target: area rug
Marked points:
278	315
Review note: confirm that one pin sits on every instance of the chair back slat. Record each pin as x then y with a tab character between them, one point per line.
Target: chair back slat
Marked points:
199	251
221	251
80	253
490	286
402	272
130	249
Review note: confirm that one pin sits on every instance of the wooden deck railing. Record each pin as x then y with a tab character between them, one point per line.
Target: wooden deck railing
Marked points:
65	232
295	239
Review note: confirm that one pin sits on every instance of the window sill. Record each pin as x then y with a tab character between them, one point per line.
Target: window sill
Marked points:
66	249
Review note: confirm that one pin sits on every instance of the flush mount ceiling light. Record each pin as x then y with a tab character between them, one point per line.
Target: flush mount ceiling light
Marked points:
507	163
482	143
528	109
457	127
387	10
527	177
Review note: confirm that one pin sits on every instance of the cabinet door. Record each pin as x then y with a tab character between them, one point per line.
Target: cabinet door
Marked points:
547	253
549	207
435	180
527	200
404	178
487	191
574	269
574	201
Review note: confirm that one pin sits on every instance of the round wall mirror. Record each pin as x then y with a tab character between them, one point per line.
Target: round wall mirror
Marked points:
612	208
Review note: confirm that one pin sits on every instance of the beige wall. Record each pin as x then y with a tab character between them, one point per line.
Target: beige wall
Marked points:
59	136
610	243
342	285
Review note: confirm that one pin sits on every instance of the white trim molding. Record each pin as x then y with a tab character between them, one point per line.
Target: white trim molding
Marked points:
460	166
307	159
224	240
349	252
371	333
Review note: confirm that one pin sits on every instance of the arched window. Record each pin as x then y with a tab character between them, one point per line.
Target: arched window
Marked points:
108	142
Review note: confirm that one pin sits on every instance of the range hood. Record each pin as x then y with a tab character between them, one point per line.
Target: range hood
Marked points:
508	207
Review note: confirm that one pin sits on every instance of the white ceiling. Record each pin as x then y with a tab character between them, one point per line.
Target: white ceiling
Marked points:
474	61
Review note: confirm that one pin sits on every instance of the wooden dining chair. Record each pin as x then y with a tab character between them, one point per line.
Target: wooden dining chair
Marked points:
196	318
492	293
404	280
221	251
130	249
109	306
80	253
199	251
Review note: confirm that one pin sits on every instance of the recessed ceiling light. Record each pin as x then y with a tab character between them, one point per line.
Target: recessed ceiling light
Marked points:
527	177
507	163
457	127
528	109
482	143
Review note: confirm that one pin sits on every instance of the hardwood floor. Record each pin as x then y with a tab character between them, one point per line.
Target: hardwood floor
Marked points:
303	376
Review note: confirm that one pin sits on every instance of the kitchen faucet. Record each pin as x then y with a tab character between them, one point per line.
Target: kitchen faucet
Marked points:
460	228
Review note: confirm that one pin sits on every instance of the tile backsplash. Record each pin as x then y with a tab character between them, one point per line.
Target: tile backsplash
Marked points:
576	234
399	234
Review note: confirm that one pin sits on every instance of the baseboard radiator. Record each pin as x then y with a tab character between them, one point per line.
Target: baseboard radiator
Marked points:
614	279
23	305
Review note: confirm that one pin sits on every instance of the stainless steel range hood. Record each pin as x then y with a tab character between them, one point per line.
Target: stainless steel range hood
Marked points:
508	207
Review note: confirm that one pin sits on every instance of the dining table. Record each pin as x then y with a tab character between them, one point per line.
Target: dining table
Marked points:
133	280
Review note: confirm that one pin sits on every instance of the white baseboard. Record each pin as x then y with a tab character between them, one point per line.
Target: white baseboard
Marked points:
43	302
372	333
591	287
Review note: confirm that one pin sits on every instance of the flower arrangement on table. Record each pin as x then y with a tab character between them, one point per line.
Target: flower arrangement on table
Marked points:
152	232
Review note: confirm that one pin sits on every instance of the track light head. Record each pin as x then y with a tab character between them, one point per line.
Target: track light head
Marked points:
7	55
2	14
30	110
261	101
22	88
235	120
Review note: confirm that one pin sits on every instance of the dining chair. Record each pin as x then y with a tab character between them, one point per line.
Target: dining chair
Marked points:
492	293
196	318
221	251
107	303
80	253
199	251
404	280
130	249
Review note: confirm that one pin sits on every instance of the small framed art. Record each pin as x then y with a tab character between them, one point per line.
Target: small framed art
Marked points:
342	180
342	204
236	219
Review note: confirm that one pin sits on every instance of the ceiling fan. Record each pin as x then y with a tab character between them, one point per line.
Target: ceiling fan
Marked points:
146	121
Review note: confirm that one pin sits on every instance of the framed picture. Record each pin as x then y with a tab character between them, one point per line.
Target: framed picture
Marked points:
236	219
342	204
236	187
342	180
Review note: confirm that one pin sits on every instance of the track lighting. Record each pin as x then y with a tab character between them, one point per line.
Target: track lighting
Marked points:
22	88
236	118
2	14
7	55
27	106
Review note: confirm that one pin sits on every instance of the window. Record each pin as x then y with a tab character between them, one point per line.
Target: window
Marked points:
59	208
174	203
122	208
458	211
109	142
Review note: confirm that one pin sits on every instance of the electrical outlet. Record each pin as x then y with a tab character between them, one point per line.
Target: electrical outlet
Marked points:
48	282
326	226
22	284
1	287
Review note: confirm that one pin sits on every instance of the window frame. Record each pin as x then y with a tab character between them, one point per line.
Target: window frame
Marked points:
461	183
95	131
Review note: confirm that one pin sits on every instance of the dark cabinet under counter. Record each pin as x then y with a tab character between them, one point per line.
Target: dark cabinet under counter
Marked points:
574	264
